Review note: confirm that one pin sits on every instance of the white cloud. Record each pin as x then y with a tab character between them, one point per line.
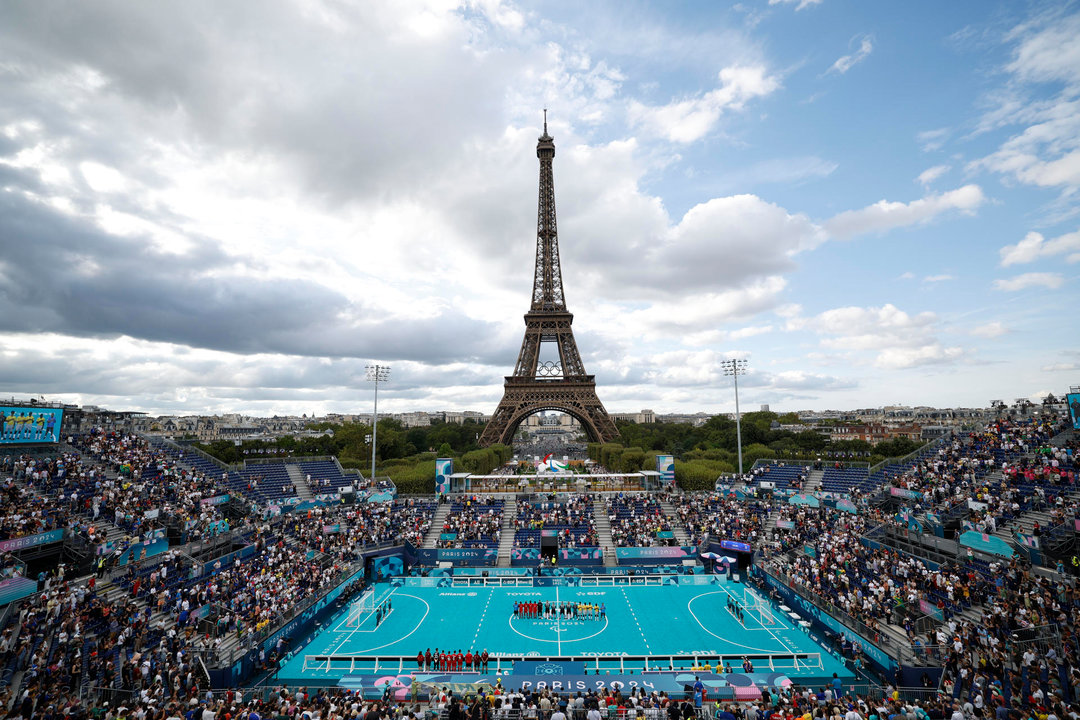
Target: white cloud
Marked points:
896	339
1041	97
1034	246
929	175
989	330
906	276
930	140
751	331
933	354
1048	280
885	215
846	62
938	278
720	245
688	120
1061	367
802	4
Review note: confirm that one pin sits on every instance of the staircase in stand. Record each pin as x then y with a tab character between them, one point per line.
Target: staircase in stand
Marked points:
437	520
506	541
603	531
299	481
673	518
813	481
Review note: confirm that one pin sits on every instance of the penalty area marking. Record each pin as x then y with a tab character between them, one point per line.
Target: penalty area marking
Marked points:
756	649
359	653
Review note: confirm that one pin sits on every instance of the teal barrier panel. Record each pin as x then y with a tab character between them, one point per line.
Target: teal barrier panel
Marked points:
986	543
16	588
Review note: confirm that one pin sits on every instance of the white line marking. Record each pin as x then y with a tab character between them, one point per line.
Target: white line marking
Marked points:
633	614
427	611
558	623
702	625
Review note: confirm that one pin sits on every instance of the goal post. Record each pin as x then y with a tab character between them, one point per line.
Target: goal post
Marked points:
361	609
760	609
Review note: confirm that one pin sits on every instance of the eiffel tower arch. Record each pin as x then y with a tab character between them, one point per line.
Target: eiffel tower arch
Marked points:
557	384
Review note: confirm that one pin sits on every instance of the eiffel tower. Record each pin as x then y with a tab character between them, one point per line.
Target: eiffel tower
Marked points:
538	385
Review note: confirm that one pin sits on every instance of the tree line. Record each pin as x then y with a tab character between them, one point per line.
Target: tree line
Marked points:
702	452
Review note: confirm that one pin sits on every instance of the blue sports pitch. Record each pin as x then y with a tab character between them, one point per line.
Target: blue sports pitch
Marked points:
656	620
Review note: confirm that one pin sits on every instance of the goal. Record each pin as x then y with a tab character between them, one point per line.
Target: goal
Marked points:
361	610
760	609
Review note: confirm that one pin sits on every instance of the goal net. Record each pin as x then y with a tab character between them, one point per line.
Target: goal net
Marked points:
361	609
760	609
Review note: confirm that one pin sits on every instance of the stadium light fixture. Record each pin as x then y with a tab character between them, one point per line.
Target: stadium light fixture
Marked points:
735	368
376	374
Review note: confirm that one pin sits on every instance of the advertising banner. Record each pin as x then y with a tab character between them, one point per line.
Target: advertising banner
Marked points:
469	556
1026	540
525	556
492	572
557	581
331	529
736	546
152	514
215	500
30	541
847	506
986	543
581	556
1073	400
905	493
649	555
803	499
785	525
932	610
444	468
15	588
665	465
143	550
386	567
27	425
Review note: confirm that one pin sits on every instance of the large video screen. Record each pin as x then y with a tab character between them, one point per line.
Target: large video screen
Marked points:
24	425
1074	409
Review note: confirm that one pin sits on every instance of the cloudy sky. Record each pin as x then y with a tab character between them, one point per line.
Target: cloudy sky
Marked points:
214	207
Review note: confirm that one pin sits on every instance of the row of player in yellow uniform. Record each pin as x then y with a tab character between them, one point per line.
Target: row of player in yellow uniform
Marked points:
24	425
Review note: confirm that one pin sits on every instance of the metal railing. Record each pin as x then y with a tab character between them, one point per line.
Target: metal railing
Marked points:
595	664
931	445
883	640
247	641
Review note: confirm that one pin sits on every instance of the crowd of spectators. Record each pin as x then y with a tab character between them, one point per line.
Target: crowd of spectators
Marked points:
142	641
717	515
475	521
636	519
570	515
345	530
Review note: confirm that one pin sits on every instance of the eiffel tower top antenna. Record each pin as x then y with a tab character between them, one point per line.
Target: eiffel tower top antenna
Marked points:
547	278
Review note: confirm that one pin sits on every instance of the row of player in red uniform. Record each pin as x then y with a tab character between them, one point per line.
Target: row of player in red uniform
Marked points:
453	661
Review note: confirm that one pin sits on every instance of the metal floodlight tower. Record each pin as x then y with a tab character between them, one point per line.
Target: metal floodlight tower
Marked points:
376	374
735	368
